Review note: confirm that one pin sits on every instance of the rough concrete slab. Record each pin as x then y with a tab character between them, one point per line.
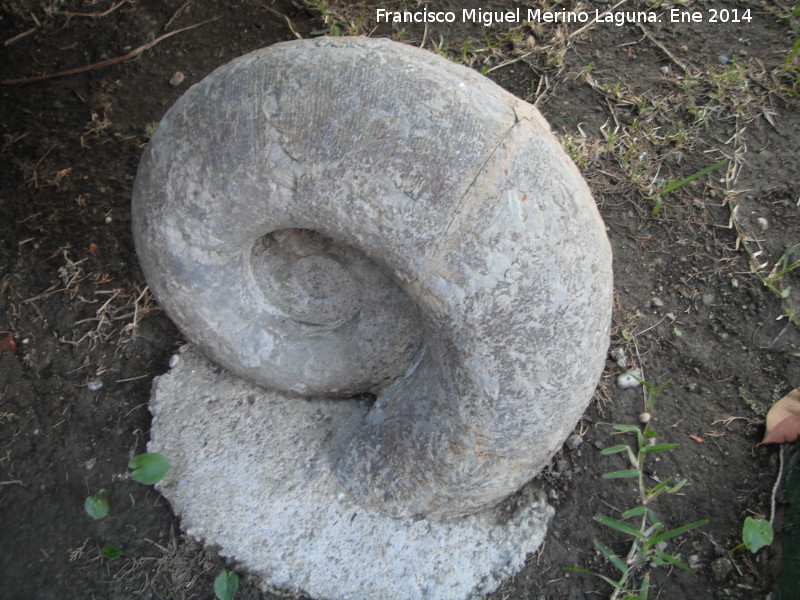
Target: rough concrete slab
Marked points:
252	473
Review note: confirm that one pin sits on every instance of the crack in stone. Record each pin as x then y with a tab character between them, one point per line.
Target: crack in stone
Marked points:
436	256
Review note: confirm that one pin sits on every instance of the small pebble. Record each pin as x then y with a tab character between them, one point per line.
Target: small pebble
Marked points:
656	302
618	354
174	360
574	441
94	385
108	220
709	299
645	417
629	379
722	59
762	223
721	568
177	79
664	70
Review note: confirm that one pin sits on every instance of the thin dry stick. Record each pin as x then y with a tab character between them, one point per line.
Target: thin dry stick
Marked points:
18	37
105	63
663	48
776	486
96	15
292	28
594	21
570	36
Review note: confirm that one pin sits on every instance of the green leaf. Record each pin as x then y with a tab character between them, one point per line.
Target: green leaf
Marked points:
226	584
658	448
671	560
149	468
634	512
677	486
674	185
626	428
657	487
756	533
621	474
609	554
96	506
615	449
677	531
641	510
621	448
645	587
110	552
620	526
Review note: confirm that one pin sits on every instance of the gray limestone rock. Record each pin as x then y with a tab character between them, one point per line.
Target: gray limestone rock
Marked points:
341	216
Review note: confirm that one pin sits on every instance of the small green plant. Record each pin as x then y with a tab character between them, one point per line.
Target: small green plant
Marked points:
110	552
226	584
756	533
96	506
658	197
149	468
150	129
784	265
640	523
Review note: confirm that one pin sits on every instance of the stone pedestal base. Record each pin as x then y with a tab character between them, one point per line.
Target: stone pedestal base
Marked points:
252	474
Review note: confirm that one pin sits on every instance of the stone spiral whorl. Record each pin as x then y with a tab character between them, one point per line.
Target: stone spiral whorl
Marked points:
341	216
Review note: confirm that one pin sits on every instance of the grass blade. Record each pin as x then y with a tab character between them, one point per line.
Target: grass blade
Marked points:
674	185
609	554
659	448
620	526
621	474
677	531
626	428
669	559
645	588
614	449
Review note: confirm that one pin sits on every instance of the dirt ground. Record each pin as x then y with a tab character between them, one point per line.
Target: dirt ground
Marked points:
701	300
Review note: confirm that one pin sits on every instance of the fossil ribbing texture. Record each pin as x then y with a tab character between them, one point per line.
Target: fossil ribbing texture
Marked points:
343	216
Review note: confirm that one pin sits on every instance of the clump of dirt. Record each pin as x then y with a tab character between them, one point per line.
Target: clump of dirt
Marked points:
705	294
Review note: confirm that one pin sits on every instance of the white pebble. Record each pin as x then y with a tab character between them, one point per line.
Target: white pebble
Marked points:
94	385
177	79
762	223
629	379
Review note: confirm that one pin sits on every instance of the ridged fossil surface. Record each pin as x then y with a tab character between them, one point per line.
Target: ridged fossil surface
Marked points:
345	216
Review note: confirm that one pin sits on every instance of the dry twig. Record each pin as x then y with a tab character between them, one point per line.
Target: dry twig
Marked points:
105	63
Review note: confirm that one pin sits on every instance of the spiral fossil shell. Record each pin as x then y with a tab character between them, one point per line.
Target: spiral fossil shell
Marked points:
341	216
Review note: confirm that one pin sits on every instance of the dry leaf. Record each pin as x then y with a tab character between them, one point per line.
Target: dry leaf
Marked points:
783	419
7	344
